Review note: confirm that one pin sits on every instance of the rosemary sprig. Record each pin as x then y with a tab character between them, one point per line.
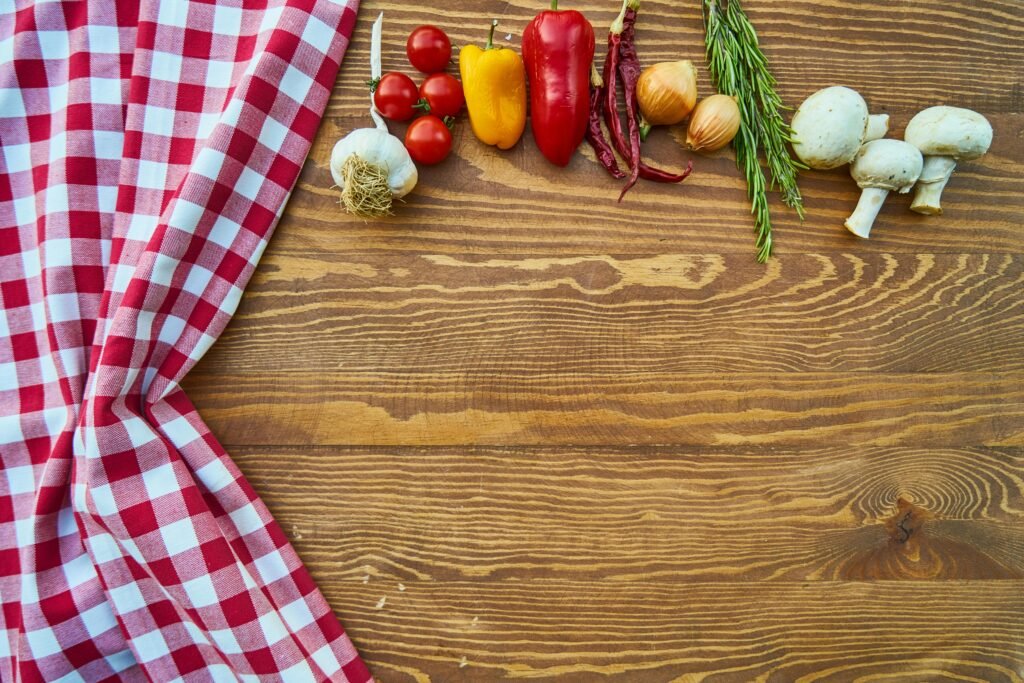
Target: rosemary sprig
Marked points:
738	67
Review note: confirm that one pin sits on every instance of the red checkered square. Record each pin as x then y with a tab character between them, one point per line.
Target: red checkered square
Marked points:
148	149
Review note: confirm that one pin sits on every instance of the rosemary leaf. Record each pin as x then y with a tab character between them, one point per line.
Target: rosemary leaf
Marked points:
738	67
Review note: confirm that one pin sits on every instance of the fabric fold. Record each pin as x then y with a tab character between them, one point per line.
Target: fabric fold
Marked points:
147	150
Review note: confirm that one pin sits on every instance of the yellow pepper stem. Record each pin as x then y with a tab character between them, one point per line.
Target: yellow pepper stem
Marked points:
490	36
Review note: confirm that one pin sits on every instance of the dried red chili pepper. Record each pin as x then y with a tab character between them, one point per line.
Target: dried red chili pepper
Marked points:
558	48
623	28
611	80
595	135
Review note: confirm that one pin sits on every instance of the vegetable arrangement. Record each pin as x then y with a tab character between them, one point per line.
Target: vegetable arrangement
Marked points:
833	128
571	99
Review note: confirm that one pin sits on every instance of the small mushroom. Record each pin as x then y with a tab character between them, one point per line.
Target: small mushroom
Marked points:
832	125
945	135
881	167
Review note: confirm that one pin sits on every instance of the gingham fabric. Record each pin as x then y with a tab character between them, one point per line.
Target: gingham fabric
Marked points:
146	152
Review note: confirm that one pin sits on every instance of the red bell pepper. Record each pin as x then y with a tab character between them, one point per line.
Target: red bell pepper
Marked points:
558	49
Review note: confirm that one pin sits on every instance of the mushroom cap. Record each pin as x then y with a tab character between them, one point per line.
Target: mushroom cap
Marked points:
829	127
950	132
891	165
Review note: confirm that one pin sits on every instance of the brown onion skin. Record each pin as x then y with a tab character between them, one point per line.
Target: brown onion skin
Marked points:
667	92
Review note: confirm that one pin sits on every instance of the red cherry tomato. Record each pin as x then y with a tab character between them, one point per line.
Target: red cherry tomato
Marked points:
429	49
428	140
396	96
443	94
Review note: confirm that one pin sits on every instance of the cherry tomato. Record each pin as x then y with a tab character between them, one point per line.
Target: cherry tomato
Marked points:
429	49
396	96
443	94
428	140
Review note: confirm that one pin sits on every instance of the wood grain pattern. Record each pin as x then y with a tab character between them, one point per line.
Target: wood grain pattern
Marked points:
301	408
629	314
639	513
655	630
520	431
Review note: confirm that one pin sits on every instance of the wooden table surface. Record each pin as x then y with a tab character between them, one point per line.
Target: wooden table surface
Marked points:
520	431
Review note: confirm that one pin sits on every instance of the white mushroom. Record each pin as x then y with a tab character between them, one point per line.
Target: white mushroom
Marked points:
945	135
881	167
832	125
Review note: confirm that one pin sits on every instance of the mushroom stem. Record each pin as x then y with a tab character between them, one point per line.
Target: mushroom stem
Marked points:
936	173
863	217
878	127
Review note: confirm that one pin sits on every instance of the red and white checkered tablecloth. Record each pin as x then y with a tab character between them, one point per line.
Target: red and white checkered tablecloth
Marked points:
147	150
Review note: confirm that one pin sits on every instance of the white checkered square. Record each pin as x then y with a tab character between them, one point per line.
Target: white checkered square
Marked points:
151	646
12	102
43	642
295	84
127	598
201	592
271	567
197	281
247	519
159	121
160	481
24	209
99	619
298	673
17	157
10	430
21	479
103	39
224	231
173	14
108	144
226	641
227	20
179	537
171	330
297	615
151	175
63	307
79	570
325	659
319	35
53	44
139	433
214	476
180	432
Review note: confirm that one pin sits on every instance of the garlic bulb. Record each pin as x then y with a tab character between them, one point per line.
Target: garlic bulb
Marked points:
370	166
714	124
667	92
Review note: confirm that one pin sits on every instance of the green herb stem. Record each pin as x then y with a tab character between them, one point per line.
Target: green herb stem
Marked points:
738	67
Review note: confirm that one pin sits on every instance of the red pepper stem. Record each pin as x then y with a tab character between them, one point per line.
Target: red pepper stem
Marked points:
595	76
618	26
490	36
554	5
645	128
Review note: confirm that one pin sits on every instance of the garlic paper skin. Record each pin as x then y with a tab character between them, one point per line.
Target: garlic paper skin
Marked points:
378	148
714	124
370	166
667	92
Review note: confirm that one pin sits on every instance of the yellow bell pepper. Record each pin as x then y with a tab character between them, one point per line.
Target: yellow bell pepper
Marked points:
494	81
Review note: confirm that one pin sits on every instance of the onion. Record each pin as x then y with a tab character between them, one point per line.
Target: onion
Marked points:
667	93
